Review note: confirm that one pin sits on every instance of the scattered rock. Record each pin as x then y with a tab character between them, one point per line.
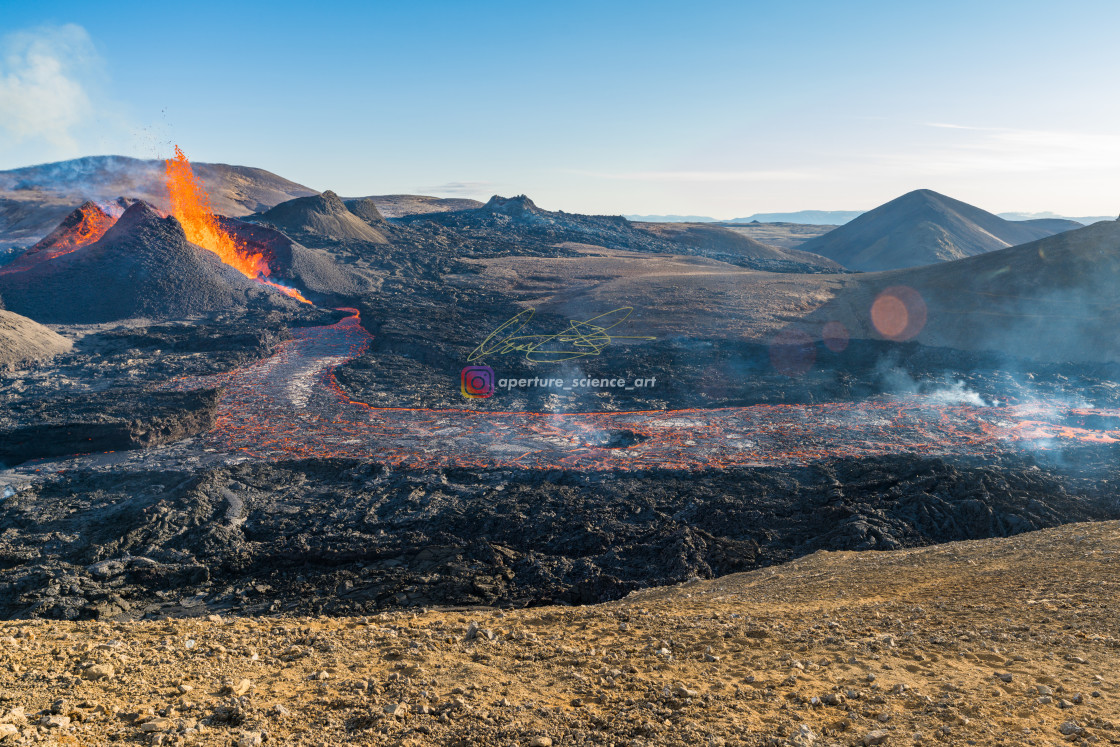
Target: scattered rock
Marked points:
156	725
99	672
54	722
1070	728
237	688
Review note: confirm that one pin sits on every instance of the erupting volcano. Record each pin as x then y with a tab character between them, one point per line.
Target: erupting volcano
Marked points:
82	227
190	204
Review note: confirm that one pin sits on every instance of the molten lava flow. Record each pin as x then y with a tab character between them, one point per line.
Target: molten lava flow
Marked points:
93	225
191	206
292	292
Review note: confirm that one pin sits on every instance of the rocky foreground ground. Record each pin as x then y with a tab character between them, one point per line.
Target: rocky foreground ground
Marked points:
1002	641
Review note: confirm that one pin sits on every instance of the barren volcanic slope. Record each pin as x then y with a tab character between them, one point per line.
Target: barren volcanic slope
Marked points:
142	266
996	642
517	226
924	227
1055	299
727	245
781	235
326	216
35	198
23	340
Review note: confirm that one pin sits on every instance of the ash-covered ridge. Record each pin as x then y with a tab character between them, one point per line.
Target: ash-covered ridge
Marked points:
517	226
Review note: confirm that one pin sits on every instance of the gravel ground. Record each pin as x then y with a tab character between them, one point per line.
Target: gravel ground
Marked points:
1005	642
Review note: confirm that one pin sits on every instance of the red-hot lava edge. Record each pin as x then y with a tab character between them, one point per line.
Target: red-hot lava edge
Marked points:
290	406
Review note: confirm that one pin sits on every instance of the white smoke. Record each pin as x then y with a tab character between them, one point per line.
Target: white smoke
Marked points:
958	394
44	76
897	381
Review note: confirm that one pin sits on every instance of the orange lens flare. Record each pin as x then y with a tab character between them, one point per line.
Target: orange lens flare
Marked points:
899	313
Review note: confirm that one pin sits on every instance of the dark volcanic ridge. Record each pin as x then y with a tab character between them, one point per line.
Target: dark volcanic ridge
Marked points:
921	228
516	225
142	267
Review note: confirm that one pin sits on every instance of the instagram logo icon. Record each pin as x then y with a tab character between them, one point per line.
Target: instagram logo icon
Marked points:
478	382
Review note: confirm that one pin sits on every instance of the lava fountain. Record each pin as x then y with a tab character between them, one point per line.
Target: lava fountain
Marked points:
190	204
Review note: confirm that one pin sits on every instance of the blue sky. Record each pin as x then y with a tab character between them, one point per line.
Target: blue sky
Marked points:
723	109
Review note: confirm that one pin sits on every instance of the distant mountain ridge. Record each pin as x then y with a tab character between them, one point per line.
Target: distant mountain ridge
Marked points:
811	217
398	206
925	227
1084	220
672	218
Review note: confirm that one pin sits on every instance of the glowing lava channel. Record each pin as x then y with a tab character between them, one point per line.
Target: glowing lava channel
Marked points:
290	406
190	204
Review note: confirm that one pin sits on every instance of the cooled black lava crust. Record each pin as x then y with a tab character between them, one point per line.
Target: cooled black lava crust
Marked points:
346	537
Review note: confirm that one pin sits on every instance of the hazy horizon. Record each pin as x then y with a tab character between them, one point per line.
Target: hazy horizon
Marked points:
727	110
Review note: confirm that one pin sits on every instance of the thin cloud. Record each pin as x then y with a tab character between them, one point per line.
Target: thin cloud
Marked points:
460	188
43	84
784	175
1006	149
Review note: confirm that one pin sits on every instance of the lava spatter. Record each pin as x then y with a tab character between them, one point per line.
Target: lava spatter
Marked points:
290	406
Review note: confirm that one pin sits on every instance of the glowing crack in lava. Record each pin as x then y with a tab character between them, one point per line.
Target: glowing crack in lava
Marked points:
290	406
190	204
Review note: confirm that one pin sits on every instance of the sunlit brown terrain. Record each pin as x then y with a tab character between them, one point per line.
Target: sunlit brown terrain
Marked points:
1000	642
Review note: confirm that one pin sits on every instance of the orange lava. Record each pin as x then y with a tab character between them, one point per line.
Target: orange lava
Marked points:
285	290
191	206
93	226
